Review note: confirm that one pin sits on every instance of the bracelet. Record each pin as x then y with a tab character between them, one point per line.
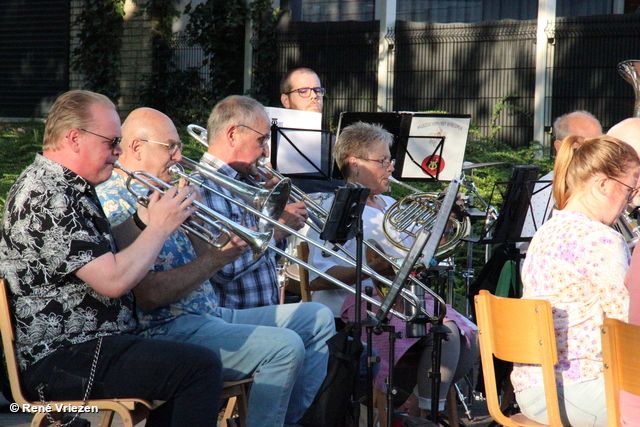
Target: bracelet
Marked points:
141	225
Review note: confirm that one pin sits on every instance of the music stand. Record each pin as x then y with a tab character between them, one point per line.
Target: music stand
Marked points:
428	146
425	246
516	203
299	147
344	222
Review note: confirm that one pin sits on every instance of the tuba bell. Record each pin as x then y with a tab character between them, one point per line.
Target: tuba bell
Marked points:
630	71
627	224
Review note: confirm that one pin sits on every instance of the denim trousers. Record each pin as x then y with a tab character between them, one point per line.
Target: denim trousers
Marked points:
281	346
581	405
187	377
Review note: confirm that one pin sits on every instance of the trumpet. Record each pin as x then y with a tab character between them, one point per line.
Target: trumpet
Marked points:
317	218
257	241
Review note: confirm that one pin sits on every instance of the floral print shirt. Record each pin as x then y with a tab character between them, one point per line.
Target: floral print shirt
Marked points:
52	225
119	204
578	265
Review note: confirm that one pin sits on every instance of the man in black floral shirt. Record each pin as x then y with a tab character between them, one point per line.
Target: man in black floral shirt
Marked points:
70	290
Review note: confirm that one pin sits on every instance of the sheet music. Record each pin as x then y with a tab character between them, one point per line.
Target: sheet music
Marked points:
454	130
289	161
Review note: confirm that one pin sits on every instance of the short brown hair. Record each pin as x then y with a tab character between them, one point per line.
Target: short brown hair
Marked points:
71	110
285	83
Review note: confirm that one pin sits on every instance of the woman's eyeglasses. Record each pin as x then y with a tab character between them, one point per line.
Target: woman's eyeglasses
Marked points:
632	191
384	162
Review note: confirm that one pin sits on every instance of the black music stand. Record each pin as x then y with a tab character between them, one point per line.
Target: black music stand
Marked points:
419	149
279	136
516	202
425	246
343	223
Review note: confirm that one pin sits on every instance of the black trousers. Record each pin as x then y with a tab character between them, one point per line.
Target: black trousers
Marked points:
188	377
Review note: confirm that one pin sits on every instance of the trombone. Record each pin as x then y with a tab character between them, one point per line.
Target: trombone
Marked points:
317	213
257	241
228	183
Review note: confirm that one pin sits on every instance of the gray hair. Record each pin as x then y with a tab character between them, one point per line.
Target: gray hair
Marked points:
562	125
356	140
232	110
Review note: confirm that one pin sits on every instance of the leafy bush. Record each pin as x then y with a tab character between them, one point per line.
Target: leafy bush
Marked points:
19	142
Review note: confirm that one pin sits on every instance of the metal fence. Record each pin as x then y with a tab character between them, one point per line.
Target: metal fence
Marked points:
468	68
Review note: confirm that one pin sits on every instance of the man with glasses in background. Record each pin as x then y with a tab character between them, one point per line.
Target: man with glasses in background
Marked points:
238	132
281	347
300	89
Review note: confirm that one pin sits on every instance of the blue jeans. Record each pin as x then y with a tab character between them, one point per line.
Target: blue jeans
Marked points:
282	347
583	404
187	377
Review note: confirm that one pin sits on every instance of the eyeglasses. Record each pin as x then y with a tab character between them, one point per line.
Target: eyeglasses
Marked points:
173	147
113	142
384	162
632	191
264	138
305	92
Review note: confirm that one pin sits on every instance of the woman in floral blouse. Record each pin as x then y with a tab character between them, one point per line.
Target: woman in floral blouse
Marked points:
577	262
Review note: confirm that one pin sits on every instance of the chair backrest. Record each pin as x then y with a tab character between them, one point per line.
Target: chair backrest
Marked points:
303	255
8	339
519	331
620	350
131	411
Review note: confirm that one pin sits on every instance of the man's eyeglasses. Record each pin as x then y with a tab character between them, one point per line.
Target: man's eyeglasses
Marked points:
173	147
632	191
264	138
384	162
113	142
305	92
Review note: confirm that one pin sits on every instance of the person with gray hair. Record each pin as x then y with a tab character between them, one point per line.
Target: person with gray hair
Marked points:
581	123
238	133
281	347
363	156
69	287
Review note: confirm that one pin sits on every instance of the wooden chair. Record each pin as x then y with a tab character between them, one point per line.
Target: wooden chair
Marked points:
131	411
237	394
303	255
520	331
620	350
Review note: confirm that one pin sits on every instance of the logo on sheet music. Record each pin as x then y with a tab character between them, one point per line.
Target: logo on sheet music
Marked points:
432	165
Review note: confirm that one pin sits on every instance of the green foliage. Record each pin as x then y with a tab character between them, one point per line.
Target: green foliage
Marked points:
177	93
97	56
19	142
218	26
265	55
